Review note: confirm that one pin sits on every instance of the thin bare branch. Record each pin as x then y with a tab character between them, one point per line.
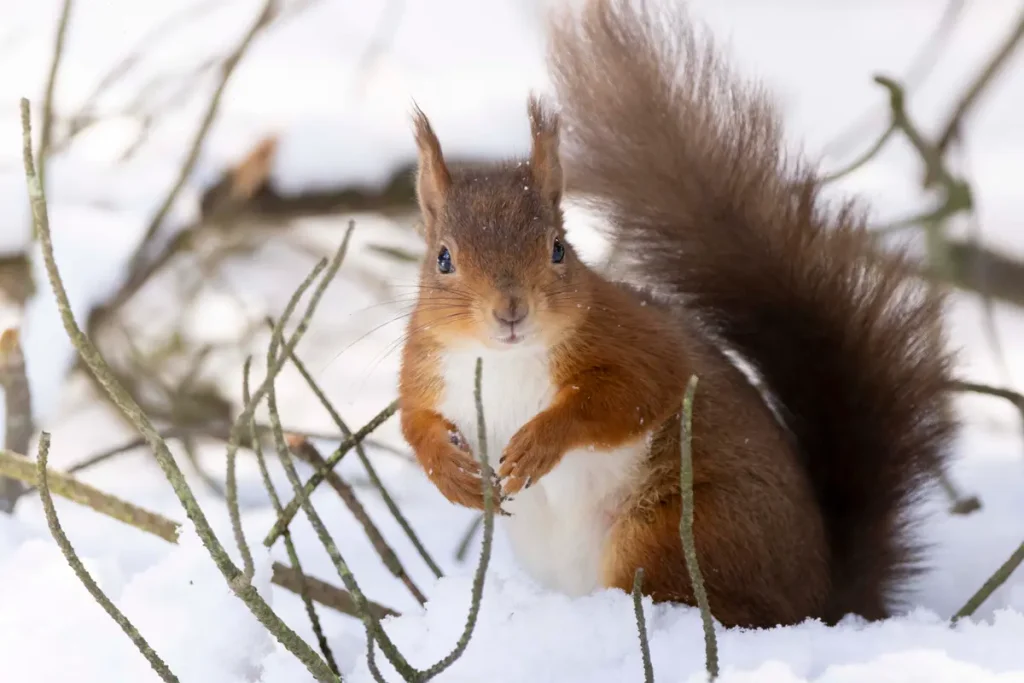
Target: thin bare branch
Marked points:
318	477
263	19
308	453
686	531
46	129
1014	397
293	556
488	481
997	579
99	368
370	471
641	625
62	484
90	584
373	628
985	77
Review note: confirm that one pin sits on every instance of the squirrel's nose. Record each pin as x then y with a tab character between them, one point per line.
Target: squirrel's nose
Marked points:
512	311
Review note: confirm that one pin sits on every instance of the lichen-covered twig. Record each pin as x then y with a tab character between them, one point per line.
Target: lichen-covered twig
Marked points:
75	563
46	129
467	538
302	585
20	467
374	632
308	453
686	530
285	518
641	625
18	412
997	579
372	474
487	481
99	368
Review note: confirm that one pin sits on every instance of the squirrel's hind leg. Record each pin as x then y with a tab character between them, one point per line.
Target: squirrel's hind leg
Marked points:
737	574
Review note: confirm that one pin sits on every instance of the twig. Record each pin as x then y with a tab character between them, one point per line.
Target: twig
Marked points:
921	66
61	484
309	454
641	625
373	628
686	531
324	593
487	481
995	581
467	538
231	490
22	468
46	129
984	78
370	471
292	507
226	70
293	555
18	408
867	156
73	560
99	368
1014	397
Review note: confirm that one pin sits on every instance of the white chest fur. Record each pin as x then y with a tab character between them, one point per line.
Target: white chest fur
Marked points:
559	526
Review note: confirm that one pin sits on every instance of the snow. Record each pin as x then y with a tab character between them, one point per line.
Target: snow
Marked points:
469	65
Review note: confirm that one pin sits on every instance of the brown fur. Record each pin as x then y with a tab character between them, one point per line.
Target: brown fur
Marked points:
690	165
791	521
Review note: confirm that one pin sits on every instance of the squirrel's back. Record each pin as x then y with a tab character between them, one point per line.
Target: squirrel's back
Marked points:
688	163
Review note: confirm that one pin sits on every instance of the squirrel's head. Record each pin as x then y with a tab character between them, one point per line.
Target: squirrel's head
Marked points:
498	270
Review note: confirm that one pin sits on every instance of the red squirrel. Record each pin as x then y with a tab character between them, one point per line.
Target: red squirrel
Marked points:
803	488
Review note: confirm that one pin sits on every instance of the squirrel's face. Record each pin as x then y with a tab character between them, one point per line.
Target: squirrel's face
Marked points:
498	270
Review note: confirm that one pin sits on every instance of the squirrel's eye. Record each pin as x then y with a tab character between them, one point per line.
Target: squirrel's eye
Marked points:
557	252
444	261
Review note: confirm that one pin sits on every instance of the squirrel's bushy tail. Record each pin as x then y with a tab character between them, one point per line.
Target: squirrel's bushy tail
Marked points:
688	162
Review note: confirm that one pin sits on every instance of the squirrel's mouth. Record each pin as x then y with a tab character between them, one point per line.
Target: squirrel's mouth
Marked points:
509	335
511	338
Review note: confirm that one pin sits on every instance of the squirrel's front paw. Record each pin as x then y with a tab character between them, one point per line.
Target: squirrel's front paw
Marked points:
528	457
459	477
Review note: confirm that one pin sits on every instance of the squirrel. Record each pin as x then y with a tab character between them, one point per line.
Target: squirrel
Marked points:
805	466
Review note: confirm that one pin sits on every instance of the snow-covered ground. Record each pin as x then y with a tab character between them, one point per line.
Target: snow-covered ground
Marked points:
468	64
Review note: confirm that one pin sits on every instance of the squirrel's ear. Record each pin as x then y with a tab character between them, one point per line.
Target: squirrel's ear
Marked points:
432	176
544	159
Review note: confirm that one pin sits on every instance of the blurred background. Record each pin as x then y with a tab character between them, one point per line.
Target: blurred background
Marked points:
200	156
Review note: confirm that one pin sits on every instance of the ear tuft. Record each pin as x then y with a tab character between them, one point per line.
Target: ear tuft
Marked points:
544	159
432	178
